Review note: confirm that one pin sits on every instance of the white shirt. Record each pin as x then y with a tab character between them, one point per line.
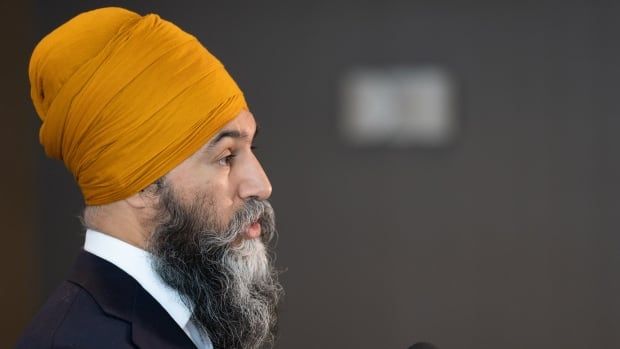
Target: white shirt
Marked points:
136	262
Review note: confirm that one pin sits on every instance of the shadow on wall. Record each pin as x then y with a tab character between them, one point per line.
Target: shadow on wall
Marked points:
20	286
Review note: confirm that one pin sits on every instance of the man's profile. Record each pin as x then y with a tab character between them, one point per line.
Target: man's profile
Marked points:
159	139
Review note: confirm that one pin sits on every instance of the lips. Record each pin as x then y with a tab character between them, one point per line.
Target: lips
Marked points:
253	231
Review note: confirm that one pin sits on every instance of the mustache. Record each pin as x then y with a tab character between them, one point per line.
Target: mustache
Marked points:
252	211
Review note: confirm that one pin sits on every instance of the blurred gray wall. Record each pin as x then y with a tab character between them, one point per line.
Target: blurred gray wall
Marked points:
506	239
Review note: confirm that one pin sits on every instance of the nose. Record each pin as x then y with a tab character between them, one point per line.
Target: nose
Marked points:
254	182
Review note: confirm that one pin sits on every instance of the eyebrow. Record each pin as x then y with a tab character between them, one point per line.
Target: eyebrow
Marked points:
230	134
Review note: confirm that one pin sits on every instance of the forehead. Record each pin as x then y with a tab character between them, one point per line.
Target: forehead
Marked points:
244	123
240	129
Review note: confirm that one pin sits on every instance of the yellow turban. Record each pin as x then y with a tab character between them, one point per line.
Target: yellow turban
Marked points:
124	99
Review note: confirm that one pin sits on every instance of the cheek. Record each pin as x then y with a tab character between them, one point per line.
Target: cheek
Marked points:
218	191
191	182
209	183
223	202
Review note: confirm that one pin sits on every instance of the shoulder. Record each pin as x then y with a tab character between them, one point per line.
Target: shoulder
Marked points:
72	318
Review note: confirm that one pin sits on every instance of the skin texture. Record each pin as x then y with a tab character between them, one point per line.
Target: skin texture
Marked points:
225	167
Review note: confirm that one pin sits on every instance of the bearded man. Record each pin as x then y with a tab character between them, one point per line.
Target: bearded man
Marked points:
159	139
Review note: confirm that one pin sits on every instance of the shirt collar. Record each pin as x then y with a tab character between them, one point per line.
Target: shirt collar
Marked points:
137	263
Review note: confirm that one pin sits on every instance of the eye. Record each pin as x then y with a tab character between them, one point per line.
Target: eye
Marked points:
226	160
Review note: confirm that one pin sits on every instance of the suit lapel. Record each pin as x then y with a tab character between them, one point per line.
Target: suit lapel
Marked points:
121	296
152	326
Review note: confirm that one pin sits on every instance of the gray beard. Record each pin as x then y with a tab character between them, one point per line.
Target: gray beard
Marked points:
229	282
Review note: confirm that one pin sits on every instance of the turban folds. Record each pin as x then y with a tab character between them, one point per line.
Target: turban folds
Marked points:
124	99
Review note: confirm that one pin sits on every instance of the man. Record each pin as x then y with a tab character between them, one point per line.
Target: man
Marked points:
159	138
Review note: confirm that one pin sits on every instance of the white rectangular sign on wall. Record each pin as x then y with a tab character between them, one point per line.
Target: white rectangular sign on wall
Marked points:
398	107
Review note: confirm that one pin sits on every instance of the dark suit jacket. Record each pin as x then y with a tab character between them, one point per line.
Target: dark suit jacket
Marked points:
101	306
